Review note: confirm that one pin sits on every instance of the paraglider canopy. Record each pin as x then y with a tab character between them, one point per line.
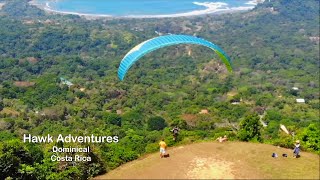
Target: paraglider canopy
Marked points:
162	41
284	129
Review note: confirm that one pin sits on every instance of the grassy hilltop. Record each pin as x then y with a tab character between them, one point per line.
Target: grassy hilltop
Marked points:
230	160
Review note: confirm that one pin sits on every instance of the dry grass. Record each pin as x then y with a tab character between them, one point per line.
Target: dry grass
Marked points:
211	160
23	83
9	111
256	158
190	119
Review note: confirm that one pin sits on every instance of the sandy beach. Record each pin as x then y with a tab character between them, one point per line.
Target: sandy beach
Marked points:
210	8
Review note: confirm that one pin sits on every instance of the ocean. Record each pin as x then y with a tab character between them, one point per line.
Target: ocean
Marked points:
144	8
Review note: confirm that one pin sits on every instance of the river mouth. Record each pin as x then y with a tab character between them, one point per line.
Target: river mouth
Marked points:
143	8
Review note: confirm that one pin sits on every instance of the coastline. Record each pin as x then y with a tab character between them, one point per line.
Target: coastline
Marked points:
210	8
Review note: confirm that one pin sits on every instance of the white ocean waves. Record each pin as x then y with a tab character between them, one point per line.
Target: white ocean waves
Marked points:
211	7
254	2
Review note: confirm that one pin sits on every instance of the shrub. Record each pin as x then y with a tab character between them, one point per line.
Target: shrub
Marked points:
250	128
157	123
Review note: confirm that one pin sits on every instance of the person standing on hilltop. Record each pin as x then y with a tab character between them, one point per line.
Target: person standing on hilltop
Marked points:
175	132
163	147
296	149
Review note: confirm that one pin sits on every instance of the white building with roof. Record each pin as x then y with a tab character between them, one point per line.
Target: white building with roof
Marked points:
300	100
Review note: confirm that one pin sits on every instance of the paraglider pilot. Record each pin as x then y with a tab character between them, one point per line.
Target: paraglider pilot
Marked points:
296	149
175	132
